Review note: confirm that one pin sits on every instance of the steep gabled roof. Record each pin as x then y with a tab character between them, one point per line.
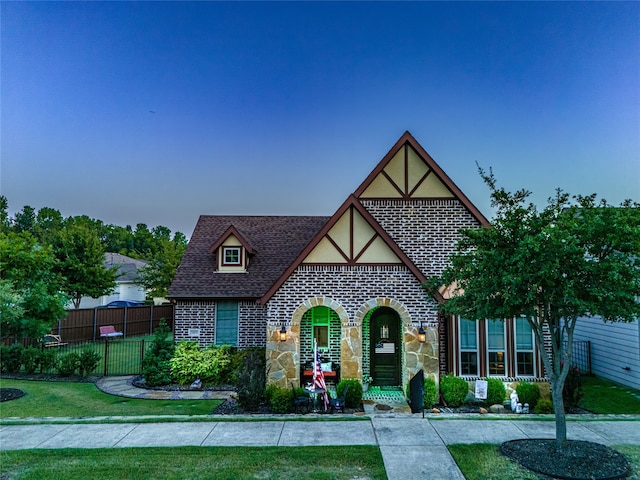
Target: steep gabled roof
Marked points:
407	172
342	252
276	240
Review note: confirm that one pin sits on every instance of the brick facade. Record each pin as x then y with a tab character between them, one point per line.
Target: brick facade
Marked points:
201	314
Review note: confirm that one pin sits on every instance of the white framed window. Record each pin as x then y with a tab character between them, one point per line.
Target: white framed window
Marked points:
468	337
227	323
231	256
496	351
525	365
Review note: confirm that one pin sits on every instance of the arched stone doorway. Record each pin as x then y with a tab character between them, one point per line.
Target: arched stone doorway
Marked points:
385	347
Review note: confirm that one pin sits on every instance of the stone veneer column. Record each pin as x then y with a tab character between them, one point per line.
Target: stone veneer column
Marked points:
351	350
421	355
283	357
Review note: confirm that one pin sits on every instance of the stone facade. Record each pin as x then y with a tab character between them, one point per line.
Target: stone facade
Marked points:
351	291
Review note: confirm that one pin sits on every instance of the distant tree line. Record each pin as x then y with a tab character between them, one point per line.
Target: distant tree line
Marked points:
47	261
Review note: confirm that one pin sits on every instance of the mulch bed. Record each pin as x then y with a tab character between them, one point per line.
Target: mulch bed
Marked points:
7	394
580	460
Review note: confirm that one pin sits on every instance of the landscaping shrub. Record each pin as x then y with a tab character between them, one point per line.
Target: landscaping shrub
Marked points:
87	361
11	358
269	391
430	397
156	368
354	395
191	362
572	392
496	392
68	363
281	400
250	380
30	359
528	393
454	390
544	405
47	360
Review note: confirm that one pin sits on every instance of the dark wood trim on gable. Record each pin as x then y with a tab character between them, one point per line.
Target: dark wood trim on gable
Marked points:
352	201
228	232
407	138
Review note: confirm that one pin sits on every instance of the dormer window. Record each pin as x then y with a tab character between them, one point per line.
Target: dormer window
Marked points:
231	256
232	251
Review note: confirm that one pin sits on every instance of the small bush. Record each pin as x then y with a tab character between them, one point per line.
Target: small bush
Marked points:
269	391
496	392
47	360
88	362
281	400
354	395
572	392
30	359
68	363
209	364
454	390
250	381
528	393
11	358
430	397
544	405
156	368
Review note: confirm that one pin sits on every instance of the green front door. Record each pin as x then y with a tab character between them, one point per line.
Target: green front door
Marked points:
385	347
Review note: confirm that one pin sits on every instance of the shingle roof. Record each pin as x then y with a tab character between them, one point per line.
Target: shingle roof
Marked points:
276	240
128	268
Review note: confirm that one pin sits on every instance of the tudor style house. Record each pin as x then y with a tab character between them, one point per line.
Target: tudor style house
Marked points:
352	281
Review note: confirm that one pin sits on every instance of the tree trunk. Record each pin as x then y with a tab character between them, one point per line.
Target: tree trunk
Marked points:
561	419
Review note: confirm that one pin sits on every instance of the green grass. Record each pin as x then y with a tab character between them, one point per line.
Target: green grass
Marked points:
481	461
69	399
220	463
605	397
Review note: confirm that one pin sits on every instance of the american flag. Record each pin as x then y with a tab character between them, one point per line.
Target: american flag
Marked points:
318	377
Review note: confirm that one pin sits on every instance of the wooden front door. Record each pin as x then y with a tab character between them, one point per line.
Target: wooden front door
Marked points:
385	347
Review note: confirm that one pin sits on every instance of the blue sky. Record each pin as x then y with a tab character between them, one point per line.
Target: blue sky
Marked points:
158	112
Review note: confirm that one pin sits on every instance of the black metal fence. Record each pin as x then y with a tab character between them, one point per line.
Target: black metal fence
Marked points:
122	356
581	355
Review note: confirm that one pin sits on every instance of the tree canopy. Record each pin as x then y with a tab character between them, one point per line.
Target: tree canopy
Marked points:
577	257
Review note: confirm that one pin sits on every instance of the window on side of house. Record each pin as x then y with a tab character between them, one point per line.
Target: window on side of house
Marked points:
525	365
468	347
227	323
496	353
231	256
320	319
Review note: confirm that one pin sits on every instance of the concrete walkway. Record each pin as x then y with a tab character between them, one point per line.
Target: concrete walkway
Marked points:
412	446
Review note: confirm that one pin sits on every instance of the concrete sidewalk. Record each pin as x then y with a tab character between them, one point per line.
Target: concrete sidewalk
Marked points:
412	446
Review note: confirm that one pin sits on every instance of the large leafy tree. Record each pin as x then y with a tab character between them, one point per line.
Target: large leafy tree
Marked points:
576	257
80	262
158	275
30	301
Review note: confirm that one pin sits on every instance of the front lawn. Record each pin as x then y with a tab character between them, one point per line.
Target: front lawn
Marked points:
221	463
70	399
605	397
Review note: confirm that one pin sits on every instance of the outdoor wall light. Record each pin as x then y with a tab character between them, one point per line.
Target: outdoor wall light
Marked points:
283	334
422	335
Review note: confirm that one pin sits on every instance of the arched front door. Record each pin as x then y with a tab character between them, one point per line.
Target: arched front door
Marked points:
385	349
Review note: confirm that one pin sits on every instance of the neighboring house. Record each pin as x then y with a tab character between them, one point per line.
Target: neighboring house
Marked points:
615	349
127	284
352	281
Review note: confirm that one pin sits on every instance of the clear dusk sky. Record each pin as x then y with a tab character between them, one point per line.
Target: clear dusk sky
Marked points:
158	112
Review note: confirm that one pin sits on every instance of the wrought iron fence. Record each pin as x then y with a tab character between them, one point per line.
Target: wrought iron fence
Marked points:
581	355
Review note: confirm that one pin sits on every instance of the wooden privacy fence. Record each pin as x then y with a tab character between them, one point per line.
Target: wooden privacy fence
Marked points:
84	324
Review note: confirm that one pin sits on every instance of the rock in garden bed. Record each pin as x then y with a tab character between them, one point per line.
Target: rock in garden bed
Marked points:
580	460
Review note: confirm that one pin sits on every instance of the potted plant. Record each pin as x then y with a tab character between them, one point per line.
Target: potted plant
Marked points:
366	380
